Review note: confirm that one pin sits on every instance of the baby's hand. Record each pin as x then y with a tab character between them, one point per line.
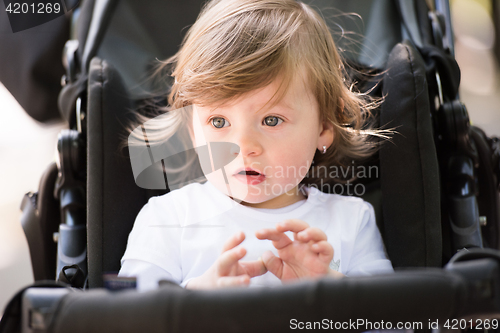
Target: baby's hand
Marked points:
308	255
227	270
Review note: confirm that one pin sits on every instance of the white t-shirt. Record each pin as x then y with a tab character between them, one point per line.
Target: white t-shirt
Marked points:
179	235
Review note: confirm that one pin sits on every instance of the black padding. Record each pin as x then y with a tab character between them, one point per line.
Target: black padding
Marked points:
416	296
113	198
408	165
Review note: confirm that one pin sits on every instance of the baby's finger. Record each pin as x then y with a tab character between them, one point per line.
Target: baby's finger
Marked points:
233	241
254	268
233	281
280	240
229	258
274	264
264	233
294	225
314	234
324	249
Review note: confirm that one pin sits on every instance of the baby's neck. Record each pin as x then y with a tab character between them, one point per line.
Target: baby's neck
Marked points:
281	201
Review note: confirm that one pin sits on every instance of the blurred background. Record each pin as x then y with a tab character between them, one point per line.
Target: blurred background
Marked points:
27	147
476	25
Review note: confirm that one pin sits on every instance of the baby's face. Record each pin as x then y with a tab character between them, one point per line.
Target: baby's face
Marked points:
276	146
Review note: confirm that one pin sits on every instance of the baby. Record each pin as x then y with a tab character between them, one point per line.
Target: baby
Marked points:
265	78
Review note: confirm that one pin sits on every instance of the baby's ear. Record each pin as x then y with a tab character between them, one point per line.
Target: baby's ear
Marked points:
327	134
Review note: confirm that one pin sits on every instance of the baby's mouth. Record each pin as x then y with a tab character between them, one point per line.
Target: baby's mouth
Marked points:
250	176
249	173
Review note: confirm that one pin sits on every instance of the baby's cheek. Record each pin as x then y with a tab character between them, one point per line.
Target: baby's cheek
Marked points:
232	189
296	168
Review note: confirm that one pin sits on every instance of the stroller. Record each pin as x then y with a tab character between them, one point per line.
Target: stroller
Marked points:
449	217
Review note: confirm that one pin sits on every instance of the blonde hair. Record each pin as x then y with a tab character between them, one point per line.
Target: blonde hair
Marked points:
236	46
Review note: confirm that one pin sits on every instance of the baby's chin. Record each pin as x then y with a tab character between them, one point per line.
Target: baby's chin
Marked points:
274	202
263	200
256	196
249	199
245	203
245	195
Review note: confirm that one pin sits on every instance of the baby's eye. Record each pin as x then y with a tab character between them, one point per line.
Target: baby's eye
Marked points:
272	121
219	122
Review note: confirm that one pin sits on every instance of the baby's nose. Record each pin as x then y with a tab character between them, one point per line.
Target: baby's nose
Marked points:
249	143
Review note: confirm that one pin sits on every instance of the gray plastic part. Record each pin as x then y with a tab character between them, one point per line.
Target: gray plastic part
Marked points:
38	307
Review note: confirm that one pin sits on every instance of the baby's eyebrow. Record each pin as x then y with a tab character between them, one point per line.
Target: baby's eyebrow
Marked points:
286	106
282	104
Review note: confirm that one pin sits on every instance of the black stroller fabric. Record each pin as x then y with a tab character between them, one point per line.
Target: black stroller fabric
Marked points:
113	198
436	293
408	165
